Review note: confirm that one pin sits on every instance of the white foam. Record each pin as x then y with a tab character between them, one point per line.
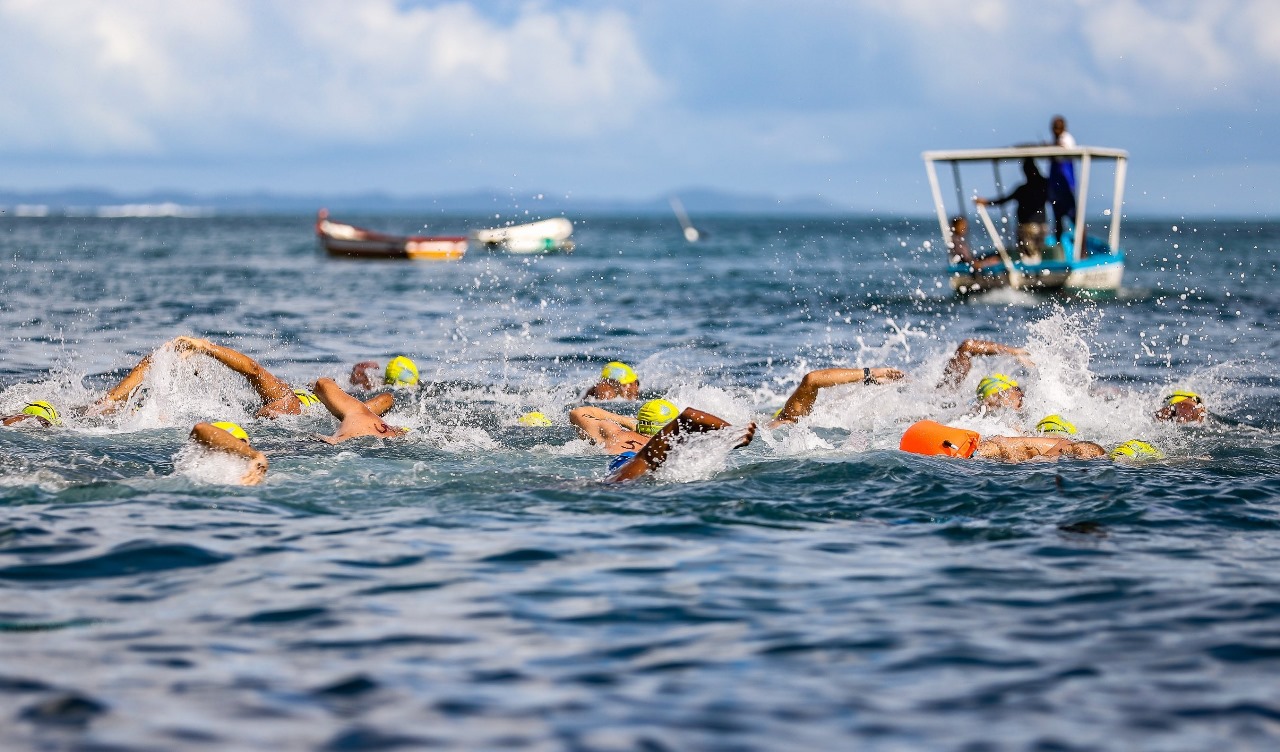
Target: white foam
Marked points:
204	465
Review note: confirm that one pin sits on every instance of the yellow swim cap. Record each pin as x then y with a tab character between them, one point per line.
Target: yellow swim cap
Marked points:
619	372
1181	395
534	419
42	409
306	397
232	429
655	414
994	384
401	372
1136	450
1056	425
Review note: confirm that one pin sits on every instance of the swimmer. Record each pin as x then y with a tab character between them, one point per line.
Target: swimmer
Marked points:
355	418
801	401
38	414
277	396
534	419
997	392
617	381
1055	425
227	437
400	372
643	443
929	438
1135	450
1182	407
954	373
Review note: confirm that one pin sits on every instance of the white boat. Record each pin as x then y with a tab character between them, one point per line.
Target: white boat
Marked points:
533	237
1081	263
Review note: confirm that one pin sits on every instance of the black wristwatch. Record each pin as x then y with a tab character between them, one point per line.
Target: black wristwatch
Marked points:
867	378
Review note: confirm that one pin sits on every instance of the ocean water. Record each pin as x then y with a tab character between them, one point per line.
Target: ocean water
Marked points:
475	586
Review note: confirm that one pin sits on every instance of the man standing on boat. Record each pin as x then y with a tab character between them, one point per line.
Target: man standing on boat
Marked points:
1062	178
1031	197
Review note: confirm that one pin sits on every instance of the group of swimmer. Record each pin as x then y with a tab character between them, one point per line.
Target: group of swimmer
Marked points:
630	439
638	444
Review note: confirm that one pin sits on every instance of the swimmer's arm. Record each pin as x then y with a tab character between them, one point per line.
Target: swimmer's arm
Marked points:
117	394
596	424
654	452
10	420
800	403
219	440
958	367
381	404
276	394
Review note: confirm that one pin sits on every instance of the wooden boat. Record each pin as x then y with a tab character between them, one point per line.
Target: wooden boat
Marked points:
1085	264
534	237
349	241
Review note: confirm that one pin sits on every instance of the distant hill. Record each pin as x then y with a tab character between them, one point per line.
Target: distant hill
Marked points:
89	201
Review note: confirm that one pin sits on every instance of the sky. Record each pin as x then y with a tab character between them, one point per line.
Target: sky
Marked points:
631	100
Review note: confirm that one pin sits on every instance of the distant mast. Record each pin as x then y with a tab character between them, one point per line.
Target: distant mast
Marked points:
691	233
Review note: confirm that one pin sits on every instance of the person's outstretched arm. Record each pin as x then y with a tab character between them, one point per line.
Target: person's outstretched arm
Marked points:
219	440
276	394
355	417
960	364
599	425
800	403
381	404
116	395
654	453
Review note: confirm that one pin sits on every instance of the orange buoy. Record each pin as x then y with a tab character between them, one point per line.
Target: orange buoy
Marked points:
930	438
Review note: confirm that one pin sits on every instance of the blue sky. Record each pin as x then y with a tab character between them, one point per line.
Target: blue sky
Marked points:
634	99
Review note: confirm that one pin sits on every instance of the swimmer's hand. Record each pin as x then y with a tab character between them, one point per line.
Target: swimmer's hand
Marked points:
256	472
326	439
360	374
1022	356
748	434
188	346
887	374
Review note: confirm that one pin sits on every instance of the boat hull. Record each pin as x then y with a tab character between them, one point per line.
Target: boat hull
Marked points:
348	241
1101	271
546	236
1087	275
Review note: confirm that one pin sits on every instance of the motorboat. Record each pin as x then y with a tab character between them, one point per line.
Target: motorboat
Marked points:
543	236
1079	262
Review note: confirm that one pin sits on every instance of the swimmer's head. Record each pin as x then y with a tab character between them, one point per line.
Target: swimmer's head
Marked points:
306	397
1182	406
655	414
401	372
998	390
1136	450
232	429
619	372
44	411
534	419
1056	425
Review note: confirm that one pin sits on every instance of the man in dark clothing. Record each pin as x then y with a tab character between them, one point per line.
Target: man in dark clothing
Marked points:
1032	223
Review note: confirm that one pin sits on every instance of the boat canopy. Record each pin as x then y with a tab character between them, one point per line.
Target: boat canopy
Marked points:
1086	155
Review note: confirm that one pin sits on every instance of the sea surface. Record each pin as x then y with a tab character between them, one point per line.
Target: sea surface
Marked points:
476	586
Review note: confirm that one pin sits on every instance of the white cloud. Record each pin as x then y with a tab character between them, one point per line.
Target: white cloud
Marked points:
152	76
1148	56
